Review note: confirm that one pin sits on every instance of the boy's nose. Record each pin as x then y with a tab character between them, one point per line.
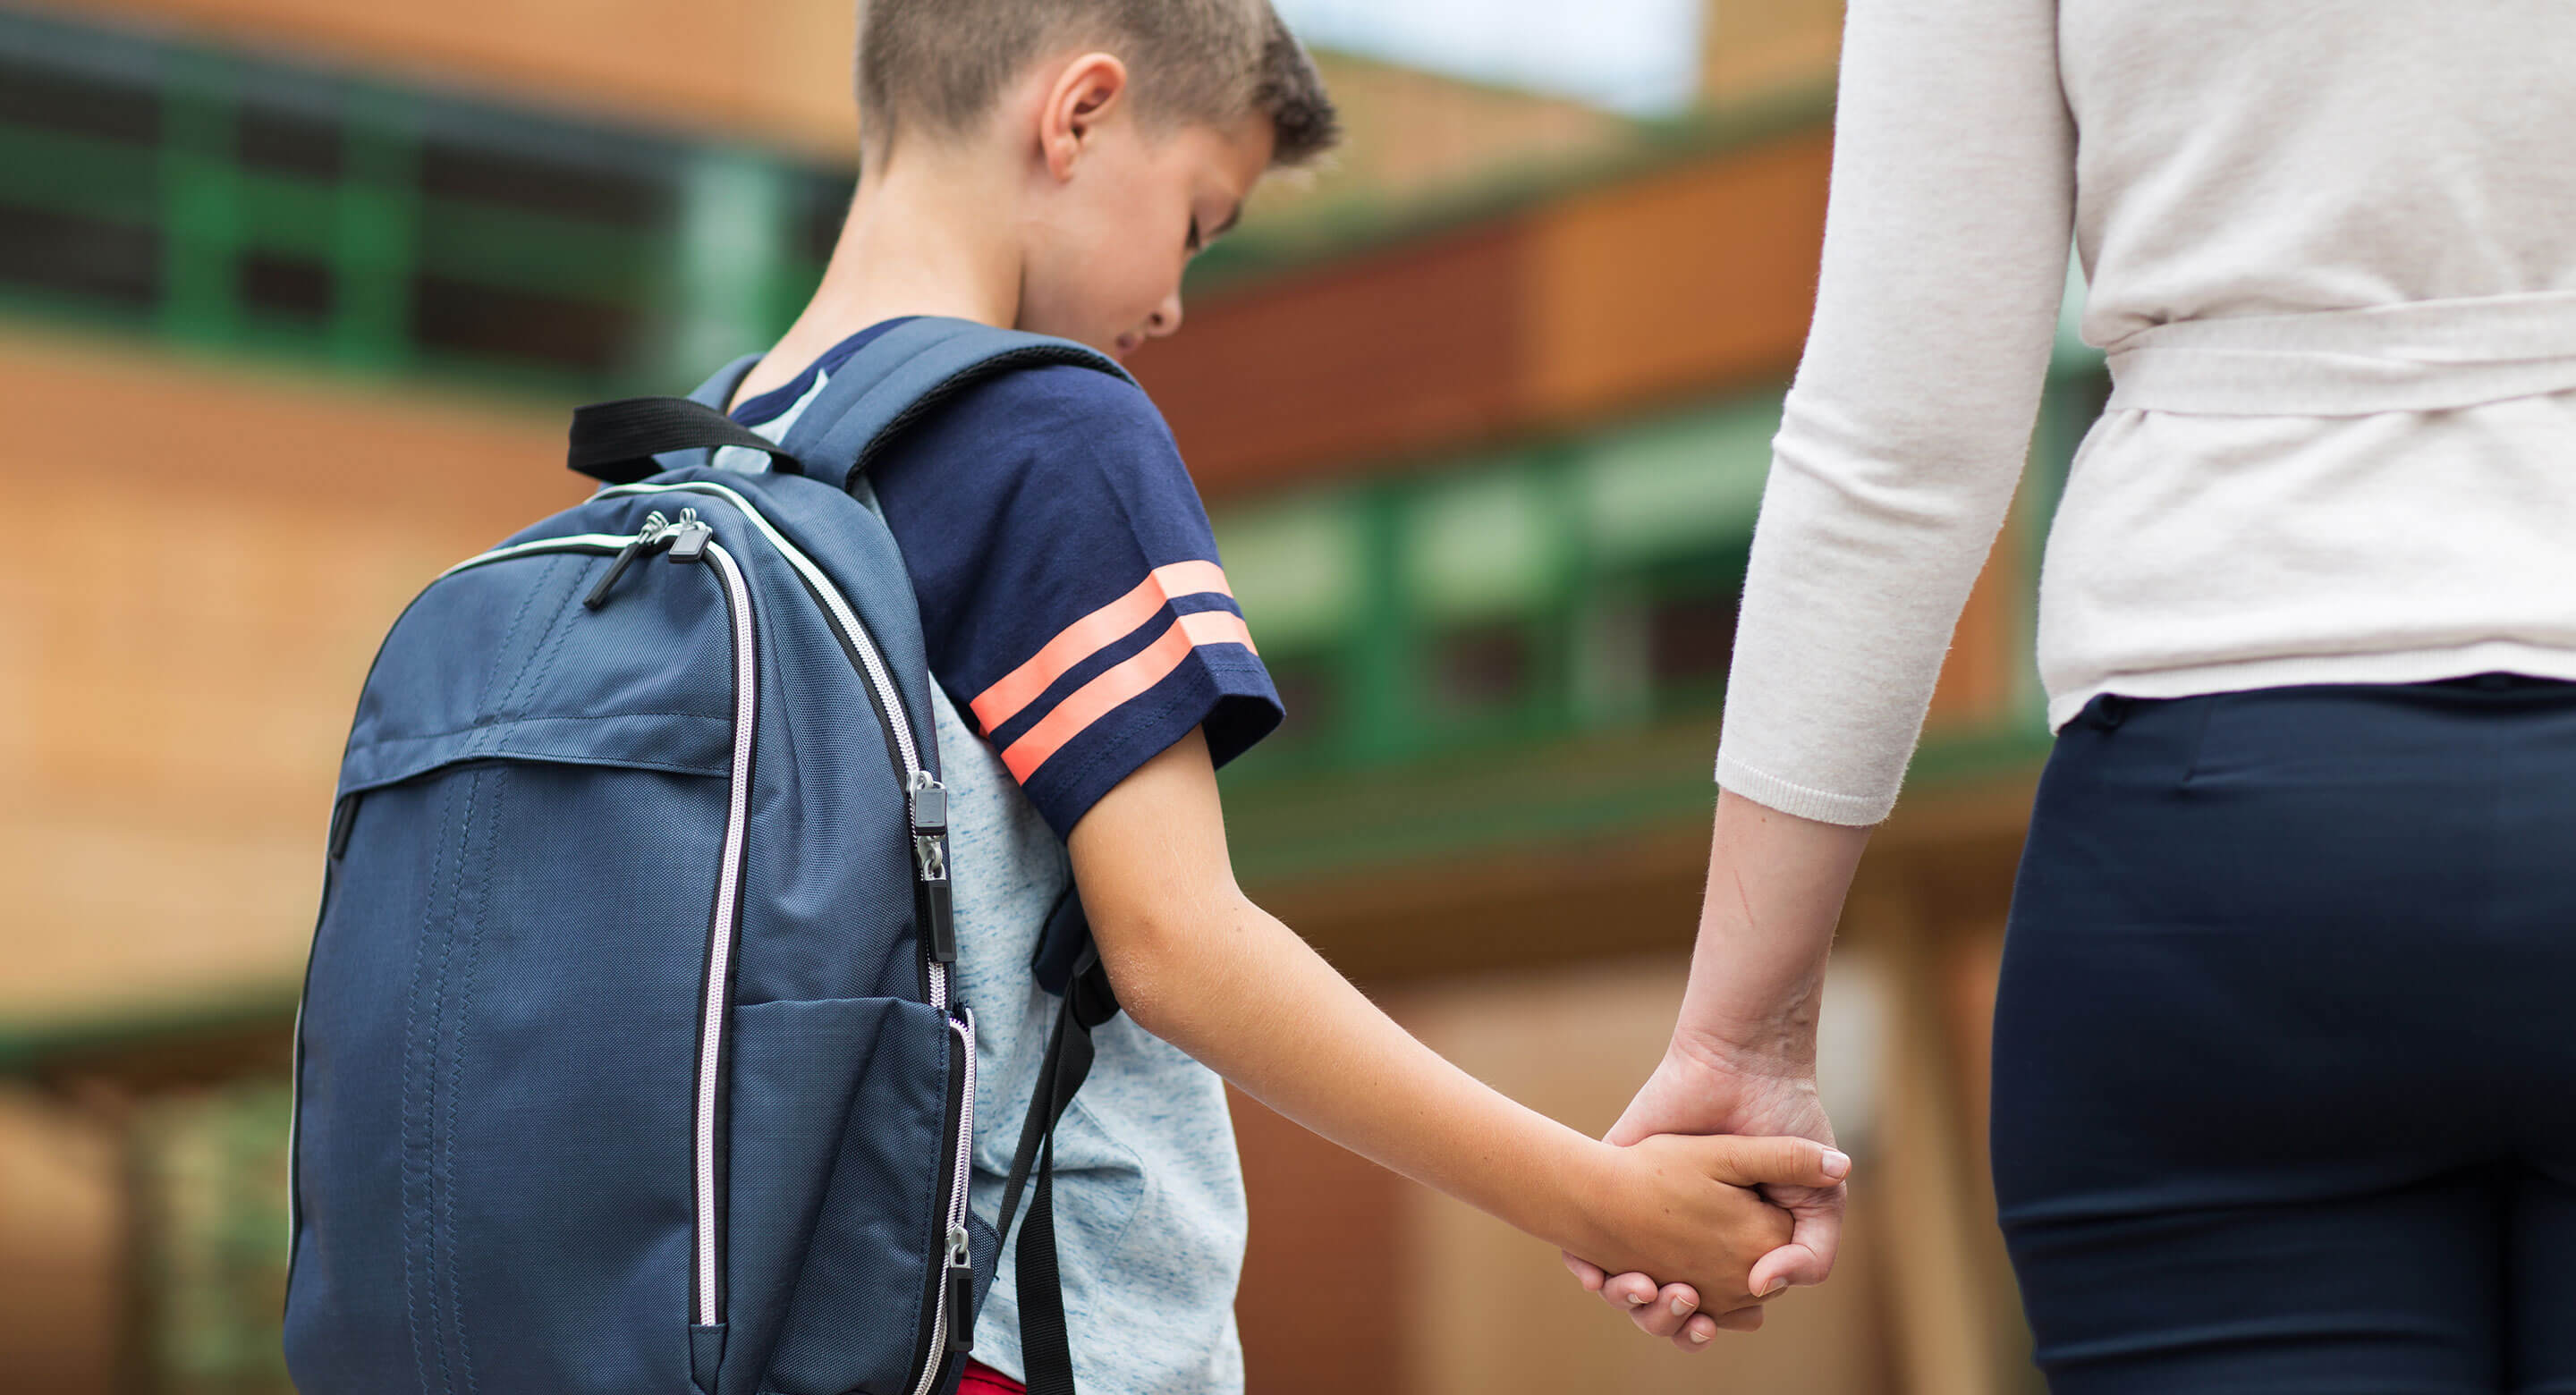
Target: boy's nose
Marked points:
1166	318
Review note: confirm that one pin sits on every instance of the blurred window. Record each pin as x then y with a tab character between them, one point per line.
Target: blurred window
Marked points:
1482	670
1690	637
286	288
279	200
481	172
77	103
825	205
1306	693
287	142
487	322
62	254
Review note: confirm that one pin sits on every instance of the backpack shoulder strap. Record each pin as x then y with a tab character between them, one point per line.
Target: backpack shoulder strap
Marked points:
904	373
718	391
1046	1345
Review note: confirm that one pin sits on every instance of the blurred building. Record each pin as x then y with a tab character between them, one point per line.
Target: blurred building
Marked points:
293	296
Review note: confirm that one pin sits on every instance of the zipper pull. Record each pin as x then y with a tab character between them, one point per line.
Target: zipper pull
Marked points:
654	524
959	1283
929	810
689	537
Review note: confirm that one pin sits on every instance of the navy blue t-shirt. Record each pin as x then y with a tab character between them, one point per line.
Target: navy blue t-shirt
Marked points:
1071	601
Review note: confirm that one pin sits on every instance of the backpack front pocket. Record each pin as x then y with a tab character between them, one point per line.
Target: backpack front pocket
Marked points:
867	1281
494	1164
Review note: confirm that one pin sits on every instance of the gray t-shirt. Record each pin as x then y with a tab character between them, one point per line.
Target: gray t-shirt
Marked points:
1149	1209
1149	1204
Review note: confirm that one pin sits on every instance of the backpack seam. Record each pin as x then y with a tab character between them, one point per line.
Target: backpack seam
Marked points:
501	651
456	1067
485	723
549	644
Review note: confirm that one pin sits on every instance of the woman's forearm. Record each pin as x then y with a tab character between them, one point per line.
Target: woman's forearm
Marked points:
1776	884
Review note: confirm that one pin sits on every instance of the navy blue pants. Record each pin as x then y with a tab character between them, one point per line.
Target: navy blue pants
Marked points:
2285	1049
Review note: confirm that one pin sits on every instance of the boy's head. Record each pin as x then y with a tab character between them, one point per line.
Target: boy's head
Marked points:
1131	131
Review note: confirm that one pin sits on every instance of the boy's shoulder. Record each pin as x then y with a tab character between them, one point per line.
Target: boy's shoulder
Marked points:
1057	411
1087	449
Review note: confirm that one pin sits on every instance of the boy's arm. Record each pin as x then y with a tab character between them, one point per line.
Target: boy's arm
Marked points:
1198	965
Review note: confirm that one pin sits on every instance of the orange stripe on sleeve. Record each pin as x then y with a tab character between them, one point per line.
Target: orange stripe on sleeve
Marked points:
1217	627
1102	695
1091	634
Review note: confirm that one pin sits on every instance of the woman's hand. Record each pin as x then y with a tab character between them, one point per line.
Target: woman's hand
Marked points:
1743	1058
1705	1090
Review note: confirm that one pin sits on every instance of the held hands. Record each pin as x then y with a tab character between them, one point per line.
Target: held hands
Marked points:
1692	1093
1743	1054
1688	1208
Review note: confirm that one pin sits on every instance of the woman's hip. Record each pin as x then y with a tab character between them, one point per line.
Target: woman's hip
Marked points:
2290	939
2281	1044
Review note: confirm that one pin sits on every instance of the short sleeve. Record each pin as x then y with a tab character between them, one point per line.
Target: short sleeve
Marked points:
1072	601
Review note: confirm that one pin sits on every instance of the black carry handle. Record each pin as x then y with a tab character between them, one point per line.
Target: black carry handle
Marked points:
615	442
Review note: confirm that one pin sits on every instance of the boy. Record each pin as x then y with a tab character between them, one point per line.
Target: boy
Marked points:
1052	165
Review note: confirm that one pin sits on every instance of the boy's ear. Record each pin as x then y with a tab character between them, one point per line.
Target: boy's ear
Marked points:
1085	93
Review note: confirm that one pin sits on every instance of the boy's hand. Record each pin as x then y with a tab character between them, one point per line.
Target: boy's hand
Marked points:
1684	1208
1697	1092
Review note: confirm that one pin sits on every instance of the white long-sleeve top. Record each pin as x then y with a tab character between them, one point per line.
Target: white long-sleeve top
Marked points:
2331	252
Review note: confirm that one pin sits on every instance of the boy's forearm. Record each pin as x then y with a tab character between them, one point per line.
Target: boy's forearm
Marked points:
1249	999
1197	964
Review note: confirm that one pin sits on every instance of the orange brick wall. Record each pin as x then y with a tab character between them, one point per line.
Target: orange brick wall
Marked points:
776	70
1691	281
184	622
1703	276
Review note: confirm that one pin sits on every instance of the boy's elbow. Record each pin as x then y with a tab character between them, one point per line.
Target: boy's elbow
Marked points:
1152	952
1134	948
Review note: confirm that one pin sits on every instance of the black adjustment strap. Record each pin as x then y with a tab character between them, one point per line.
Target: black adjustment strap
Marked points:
1046	1349
616	441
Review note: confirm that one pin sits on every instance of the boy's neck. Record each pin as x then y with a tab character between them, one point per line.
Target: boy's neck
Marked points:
927	236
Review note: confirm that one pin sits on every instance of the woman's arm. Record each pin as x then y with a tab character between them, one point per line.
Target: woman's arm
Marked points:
1946	237
1743	1054
1201	967
1901	441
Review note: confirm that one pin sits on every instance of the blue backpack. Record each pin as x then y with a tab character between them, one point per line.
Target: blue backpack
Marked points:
628	1060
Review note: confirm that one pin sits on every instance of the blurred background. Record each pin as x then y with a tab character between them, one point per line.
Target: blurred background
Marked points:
294	295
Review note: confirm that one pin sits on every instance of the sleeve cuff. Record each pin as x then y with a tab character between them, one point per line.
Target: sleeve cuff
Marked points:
1856	811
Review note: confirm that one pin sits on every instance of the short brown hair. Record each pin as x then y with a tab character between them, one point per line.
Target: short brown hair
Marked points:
941	63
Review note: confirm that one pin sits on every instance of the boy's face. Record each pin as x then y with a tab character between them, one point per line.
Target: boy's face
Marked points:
1104	244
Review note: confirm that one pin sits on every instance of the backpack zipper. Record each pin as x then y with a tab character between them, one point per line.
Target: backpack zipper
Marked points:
952	1323
655	526
690	539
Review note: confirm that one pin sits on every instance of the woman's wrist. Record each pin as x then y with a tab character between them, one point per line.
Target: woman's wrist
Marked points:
1772	1035
1750	1055
1775	891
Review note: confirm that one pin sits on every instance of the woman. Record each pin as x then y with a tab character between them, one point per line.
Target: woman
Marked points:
2283	1095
